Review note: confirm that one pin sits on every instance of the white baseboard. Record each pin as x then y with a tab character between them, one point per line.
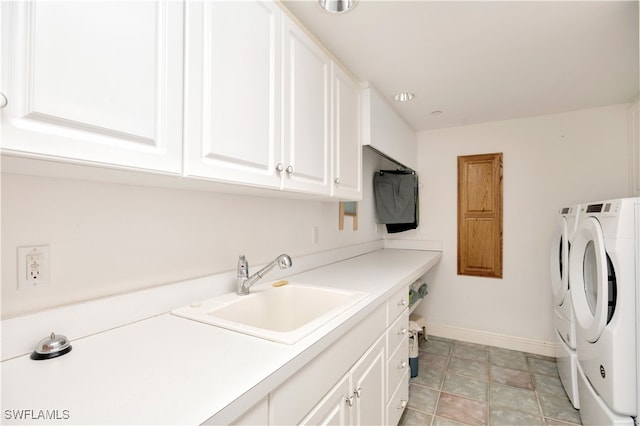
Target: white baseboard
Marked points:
493	339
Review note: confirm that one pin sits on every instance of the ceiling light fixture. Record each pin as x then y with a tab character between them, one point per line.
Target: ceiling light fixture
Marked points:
337	6
404	96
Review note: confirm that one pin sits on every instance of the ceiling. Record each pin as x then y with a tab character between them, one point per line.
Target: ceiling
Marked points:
479	61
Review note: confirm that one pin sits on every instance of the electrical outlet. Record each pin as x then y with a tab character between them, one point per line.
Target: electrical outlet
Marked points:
33	266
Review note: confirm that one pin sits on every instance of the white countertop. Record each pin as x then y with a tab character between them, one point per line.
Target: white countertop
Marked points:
171	370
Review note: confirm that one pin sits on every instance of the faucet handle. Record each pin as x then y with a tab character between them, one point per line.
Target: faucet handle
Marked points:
243	266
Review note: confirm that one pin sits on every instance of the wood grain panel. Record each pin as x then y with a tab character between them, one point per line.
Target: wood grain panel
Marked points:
480	215
479	187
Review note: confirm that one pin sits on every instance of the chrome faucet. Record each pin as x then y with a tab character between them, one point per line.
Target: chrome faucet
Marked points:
245	281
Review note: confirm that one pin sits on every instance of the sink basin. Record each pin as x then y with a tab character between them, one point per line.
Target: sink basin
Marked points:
283	314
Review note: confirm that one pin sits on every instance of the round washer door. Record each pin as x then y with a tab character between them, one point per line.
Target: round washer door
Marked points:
559	262
589	284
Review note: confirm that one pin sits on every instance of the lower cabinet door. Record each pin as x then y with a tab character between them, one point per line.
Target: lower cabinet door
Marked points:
368	387
398	401
334	407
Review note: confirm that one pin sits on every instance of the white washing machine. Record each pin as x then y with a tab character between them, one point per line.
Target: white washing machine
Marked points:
602	266
563	317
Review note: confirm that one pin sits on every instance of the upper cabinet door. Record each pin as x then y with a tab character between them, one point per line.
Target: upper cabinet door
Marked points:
307	125
96	81
347	145
232	103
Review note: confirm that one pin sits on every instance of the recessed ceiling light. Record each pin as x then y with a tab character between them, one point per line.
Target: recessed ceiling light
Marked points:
337	6
404	96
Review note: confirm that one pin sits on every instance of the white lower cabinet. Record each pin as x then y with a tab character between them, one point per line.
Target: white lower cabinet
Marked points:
358	398
397	349
398	353
367	387
333	409
398	402
296	398
362	379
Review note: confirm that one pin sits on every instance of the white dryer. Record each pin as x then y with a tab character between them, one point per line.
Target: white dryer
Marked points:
602	267
563	317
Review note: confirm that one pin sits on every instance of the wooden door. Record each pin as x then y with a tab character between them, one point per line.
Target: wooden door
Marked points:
480	215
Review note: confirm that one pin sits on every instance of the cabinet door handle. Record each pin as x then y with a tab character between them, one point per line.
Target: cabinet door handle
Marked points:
280	167
290	169
402	302
402	365
403	404
358	392
402	331
3	100
337	181
349	400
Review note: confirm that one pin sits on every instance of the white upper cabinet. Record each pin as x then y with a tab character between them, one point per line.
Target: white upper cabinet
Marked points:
385	131
307	106
258	99
347	143
232	108
97	82
227	91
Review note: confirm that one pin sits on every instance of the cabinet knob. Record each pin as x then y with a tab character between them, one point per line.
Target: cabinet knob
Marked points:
358	392
402	365
279	167
337	181
290	169
349	400
402	331
402	303
3	100
403	404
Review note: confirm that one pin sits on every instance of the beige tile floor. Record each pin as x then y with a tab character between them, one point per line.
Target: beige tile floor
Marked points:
466	384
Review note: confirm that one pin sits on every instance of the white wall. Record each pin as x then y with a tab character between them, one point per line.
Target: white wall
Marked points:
109	238
549	162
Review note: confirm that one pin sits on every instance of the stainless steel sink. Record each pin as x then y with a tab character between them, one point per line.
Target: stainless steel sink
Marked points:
283	314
